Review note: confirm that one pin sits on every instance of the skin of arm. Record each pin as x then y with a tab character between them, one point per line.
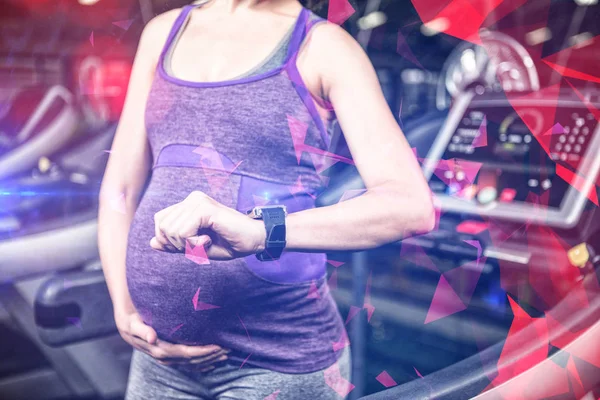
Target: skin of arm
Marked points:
397	202
124	179
127	170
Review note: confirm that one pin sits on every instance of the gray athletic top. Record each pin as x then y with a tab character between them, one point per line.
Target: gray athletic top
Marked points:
257	140
272	61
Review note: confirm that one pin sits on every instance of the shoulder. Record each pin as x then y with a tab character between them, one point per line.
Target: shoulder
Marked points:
156	31
159	27
330	40
337	55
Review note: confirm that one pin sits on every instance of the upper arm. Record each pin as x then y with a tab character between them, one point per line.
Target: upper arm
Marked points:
130	160
379	149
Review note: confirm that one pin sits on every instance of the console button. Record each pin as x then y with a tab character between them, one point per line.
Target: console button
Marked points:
507	195
487	195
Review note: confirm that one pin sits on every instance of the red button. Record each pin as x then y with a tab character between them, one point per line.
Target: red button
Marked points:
508	195
471	227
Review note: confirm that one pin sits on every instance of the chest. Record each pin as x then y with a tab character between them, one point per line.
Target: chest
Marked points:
220	50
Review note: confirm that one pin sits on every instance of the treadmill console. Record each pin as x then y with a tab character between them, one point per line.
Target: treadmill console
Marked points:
533	158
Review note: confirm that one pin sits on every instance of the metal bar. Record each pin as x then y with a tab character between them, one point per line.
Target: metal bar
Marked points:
22	314
358	326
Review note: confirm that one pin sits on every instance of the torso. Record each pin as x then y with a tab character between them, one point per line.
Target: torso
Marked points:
248	142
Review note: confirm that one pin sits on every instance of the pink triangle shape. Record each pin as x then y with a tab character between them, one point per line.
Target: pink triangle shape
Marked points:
343	342
464	279
260	201
556	129
196	254
336	264
200	306
481	139
370	310
272	396
416	255
175	329
313	291
352	313
322	162
298	131
477	245
470	168
418	373
404	50
445	302
385	379
123	24
339	11
332	282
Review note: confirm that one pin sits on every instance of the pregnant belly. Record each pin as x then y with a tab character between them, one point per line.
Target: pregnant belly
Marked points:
181	296
190	300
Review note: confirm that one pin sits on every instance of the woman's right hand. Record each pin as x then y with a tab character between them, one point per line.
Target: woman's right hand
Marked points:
144	338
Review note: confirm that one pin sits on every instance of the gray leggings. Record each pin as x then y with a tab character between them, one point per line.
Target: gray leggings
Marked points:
151	380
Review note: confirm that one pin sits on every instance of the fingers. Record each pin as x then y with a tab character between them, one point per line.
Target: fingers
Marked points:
209	365
218	356
161	218
187	352
200	240
199	362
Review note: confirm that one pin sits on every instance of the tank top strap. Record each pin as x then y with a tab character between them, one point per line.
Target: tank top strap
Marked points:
298	34
307	22
176	27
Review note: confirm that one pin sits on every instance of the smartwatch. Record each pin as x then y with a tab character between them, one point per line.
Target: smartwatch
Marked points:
274	219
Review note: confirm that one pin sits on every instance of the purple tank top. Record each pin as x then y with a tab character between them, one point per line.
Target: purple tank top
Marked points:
252	141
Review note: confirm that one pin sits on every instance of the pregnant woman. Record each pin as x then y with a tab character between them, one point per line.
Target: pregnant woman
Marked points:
227	111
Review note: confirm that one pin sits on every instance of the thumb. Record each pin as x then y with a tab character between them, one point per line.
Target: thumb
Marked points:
200	240
154	243
151	336
143	331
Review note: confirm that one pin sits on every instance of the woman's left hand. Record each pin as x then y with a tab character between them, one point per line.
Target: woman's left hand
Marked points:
202	221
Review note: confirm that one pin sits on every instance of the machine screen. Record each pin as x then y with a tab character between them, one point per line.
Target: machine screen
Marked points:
513	153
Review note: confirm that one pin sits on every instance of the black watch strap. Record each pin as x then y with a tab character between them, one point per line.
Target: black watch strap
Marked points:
274	220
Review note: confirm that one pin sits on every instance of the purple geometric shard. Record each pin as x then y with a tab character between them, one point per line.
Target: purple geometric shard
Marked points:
313	291
352	313
335	380
404	50
272	396
481	139
445	302
464	279
200	306
386	380
343	342
124	24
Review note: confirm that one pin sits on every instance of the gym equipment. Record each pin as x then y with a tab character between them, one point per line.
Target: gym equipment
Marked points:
522	214
48	224
38	122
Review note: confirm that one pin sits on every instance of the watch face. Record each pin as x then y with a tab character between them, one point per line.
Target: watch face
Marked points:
256	212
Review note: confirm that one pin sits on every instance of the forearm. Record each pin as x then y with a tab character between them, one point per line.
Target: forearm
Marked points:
114	220
373	219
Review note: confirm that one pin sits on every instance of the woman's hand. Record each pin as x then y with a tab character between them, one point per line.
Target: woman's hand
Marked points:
144	338
202	221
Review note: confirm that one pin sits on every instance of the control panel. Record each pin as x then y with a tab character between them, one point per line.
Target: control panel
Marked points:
532	158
